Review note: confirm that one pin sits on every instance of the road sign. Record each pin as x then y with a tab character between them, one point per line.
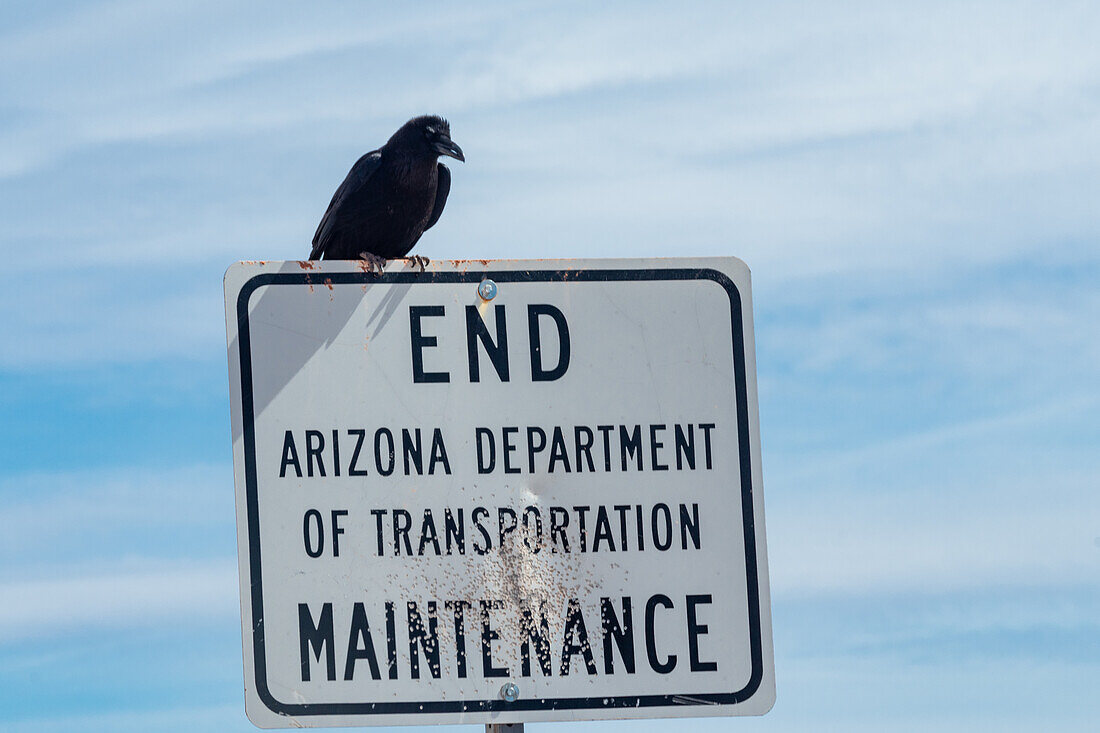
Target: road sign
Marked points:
498	491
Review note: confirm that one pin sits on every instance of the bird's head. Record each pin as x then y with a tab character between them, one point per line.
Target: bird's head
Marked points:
430	135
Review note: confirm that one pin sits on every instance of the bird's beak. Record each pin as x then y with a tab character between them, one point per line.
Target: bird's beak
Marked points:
445	146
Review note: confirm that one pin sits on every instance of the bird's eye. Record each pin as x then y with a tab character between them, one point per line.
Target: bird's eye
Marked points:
429	130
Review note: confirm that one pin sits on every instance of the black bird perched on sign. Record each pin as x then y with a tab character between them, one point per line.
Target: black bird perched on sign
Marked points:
390	197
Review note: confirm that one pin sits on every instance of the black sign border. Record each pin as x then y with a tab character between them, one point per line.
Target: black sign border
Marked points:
471	706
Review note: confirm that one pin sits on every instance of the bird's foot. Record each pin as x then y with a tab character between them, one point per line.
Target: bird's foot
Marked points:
420	261
374	263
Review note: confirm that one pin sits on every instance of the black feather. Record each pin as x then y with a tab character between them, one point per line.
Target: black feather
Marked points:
442	188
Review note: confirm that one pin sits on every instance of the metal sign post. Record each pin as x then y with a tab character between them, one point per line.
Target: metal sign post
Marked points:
498	491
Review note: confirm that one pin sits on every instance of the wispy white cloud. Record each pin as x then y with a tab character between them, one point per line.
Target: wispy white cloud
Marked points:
113	517
899	71
839	543
994	434
181	592
116	548
91	319
187	718
983	505
985	330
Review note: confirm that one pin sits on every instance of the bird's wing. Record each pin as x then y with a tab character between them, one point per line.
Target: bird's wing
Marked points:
442	188
355	180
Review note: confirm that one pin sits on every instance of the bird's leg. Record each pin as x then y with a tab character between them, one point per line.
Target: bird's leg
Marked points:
375	263
420	261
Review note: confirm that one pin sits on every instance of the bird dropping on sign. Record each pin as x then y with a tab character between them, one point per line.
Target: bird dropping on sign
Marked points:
541	505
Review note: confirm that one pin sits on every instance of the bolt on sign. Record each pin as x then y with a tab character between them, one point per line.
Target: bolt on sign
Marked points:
498	491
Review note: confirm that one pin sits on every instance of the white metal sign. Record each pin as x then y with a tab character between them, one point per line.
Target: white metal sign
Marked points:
498	491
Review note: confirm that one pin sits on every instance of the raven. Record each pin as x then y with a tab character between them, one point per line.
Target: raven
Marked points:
390	196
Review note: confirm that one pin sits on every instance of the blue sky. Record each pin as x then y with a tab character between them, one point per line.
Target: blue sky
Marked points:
914	188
